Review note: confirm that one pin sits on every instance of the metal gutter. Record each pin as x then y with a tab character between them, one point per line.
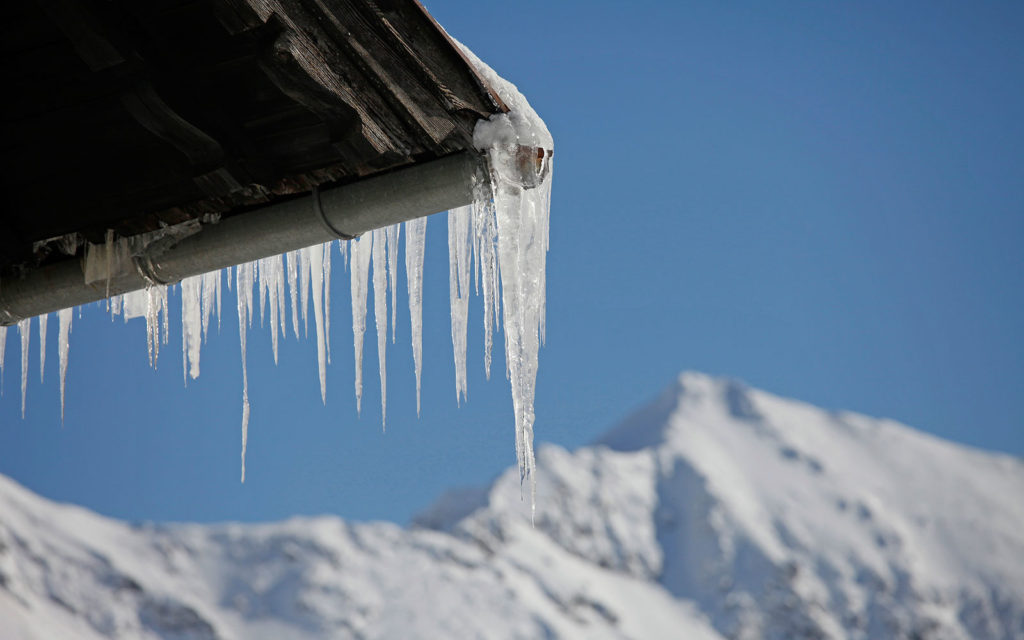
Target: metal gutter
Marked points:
341	212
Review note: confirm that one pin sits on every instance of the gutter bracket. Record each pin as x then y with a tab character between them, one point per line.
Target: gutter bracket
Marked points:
318	211
146	270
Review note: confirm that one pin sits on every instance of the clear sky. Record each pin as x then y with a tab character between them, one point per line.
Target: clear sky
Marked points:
825	200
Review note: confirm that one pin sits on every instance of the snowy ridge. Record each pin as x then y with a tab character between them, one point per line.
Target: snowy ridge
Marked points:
717	511
781	520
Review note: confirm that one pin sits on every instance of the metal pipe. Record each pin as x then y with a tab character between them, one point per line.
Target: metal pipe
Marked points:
345	211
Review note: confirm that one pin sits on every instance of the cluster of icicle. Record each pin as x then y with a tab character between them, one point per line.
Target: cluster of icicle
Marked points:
25	330
300	277
499	242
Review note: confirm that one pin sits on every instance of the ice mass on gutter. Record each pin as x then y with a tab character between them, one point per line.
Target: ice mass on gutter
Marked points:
497	247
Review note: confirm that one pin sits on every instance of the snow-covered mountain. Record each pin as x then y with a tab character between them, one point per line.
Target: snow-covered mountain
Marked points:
717	511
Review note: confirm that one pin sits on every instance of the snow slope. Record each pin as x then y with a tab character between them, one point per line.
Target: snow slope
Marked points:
716	511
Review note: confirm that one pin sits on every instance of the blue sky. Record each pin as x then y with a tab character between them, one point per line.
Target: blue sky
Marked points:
823	199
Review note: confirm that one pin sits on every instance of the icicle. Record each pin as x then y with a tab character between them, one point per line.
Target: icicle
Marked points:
43	318
244	275
316	261
327	298
152	325
250	280
3	347
191	325
134	304
458	290
218	287
275	291
109	244
415	241
522	244
165	308
510	141
380	312
63	347
271	282
262	284
282	304
292	259
206	303
392	232
304	275
211	298
361	248
25	329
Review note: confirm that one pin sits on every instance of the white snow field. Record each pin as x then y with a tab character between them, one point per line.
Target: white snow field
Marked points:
717	511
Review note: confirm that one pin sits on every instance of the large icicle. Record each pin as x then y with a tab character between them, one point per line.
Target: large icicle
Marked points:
380	313
521	249
244	275
521	212
63	348
43	319
360	250
316	262
25	329
415	242
458	290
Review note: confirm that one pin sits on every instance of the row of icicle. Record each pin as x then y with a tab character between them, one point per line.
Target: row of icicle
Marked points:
499	241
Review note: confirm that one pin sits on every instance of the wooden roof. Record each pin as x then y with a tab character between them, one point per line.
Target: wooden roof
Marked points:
128	114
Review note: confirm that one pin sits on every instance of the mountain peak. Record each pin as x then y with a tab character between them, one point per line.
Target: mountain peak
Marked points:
691	392
717	393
